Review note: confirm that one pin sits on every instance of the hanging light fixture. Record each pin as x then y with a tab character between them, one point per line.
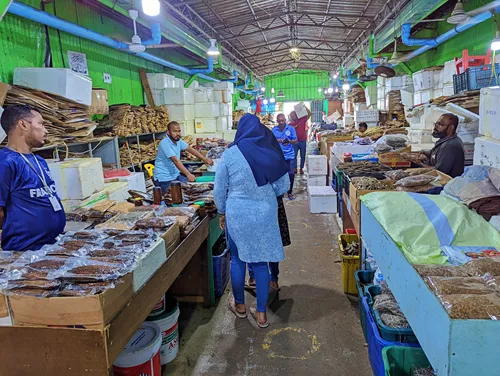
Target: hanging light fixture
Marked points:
335	76
330	90
458	15
346	86
495	43
325	92
280	94
212	50
265	102
272	100
272	90
263	89
320	90
151	7
336	89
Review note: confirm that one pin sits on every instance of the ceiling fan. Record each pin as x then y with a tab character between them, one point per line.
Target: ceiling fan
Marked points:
136	45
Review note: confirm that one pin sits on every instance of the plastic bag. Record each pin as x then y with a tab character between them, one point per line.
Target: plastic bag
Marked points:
383	148
396	141
478	307
419	171
416	189
484	265
216	153
85	289
440	271
396	175
458	285
156	223
124	221
413	181
378	278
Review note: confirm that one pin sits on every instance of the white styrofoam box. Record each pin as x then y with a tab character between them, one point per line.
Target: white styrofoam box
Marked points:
381	104
398	82
243	103
117	191
160	81
230	122
223	96
179	113
225	109
204	95
438	78
366	116
340	148
194	85
316	180
381	81
317	165
423	80
420	136
179	83
424	117
77	178
60	81
135	181
157	97
449	71
371	96
149	263
300	110
187	127
360	107
448	90
229	135
489	112
207	110
178	96
208	125
437	93
487	152
348	120
469	151
222	123
423	96
322	200
223	85
407	96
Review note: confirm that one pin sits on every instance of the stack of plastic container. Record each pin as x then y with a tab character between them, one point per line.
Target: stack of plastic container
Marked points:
487	148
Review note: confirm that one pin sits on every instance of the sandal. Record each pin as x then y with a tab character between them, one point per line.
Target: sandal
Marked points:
250	286
274	289
253	312
232	308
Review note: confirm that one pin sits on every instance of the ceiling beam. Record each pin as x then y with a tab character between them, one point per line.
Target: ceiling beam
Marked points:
343	16
295	25
286	51
287	39
293	61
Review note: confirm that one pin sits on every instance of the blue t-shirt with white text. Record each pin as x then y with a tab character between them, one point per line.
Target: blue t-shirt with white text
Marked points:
290	134
30	221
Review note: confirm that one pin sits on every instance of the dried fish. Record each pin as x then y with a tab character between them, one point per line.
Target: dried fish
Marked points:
370	184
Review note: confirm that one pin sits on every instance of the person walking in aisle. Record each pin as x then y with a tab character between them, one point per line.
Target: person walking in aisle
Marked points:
31	212
168	165
287	138
301	128
251	174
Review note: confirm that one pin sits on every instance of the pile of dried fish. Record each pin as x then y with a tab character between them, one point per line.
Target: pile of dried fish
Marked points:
351	249
139	153
370	184
193	192
396	175
423	372
388	308
130	120
361	167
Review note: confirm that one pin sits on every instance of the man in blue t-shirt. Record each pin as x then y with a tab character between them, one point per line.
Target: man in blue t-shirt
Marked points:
31	213
168	165
287	137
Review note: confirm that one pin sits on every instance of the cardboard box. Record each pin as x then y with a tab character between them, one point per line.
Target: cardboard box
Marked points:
93	311
4	89
172	238
395	159
99	104
355	194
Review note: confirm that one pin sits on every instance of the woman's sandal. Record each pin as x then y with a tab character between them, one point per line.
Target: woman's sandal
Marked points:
250	286
253	312
232	308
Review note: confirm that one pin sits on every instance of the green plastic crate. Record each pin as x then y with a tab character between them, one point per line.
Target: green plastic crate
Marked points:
402	361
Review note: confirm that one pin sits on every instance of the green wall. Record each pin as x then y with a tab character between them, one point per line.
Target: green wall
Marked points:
22	44
298	86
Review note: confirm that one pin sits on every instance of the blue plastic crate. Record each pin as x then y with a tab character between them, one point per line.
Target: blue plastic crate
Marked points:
403	335
221	265
363	278
475	78
376	344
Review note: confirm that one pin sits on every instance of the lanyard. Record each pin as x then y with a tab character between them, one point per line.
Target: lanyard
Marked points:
41	176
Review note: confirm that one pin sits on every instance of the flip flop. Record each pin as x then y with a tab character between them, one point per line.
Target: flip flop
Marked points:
249	286
253	312
275	289
232	308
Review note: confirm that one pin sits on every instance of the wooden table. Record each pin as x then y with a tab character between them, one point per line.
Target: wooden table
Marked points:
71	351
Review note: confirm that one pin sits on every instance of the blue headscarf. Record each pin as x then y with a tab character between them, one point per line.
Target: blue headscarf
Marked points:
261	150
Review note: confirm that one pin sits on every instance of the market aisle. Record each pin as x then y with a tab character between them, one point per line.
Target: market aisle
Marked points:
314	327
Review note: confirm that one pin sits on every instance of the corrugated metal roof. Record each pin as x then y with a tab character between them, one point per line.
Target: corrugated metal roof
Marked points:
324	30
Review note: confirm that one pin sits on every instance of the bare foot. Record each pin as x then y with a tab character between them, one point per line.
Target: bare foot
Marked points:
240	308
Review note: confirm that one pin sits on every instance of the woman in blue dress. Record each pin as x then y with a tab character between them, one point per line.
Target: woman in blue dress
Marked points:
251	174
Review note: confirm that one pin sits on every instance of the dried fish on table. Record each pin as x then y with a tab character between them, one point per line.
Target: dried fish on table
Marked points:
370	184
413	181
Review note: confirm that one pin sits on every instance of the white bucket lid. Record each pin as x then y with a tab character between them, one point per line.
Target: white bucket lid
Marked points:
142	347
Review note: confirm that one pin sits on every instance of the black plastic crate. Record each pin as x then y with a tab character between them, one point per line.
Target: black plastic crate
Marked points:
475	78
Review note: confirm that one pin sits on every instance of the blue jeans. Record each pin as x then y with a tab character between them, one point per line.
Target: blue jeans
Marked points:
238	272
300	146
274	270
291	174
164	185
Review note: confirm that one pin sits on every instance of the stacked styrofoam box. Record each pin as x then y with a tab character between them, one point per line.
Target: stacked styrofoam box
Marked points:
487	152
381	91
360	107
398	83
243	105
420	136
160	81
205	125
179	83
428	84
178	96
317	170
322	200
223	96
468	127
487	148
181	112
223	85
371	96
424	117
367	116
348	120
187	127
224	123
207	110
225	109
448	72
204	95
